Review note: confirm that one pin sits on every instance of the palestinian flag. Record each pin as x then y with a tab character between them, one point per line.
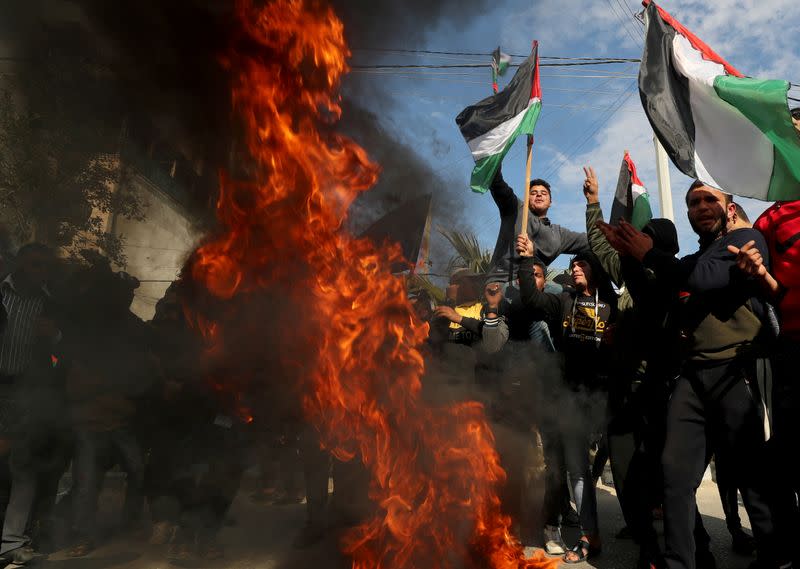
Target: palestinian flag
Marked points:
729	131
631	201
500	63
491	126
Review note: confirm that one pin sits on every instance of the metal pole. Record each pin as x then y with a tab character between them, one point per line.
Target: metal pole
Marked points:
664	187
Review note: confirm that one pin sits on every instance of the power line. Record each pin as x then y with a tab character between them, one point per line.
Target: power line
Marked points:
414	75
433	52
487	65
486	221
554	167
623	22
638	24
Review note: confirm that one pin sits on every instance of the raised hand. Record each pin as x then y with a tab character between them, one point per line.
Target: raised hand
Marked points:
591	187
611	234
525	247
636	242
749	259
750	262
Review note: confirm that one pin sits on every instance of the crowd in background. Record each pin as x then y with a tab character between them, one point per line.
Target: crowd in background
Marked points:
656	362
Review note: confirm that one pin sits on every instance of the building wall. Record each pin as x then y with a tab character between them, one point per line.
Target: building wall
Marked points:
157	247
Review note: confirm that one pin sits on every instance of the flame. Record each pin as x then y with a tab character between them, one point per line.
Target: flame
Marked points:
347	339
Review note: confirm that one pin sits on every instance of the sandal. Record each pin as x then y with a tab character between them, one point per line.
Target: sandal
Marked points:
583	550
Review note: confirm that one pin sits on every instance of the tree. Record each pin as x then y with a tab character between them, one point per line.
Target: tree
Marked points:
468	252
60	175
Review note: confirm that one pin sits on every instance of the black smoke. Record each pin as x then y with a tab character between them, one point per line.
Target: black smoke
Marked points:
164	58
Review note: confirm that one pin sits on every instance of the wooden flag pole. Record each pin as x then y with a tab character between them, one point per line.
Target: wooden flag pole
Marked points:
526	188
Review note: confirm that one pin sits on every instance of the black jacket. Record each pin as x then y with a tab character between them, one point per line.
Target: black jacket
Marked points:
579	325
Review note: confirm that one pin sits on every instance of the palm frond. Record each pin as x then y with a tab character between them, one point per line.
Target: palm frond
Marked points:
417	283
468	251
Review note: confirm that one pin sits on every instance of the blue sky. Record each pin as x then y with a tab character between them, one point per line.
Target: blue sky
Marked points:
576	127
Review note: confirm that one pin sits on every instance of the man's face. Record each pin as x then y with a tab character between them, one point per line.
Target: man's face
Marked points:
539	277
463	290
539	200
581	274
708	213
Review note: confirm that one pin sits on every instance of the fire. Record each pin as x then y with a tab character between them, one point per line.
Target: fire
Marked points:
346	337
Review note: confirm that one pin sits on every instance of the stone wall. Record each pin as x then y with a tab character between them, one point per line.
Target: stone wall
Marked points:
157	247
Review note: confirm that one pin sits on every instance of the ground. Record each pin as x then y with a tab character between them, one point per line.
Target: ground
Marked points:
260	537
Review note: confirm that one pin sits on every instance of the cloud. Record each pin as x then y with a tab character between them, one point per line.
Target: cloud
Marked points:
558	29
758	37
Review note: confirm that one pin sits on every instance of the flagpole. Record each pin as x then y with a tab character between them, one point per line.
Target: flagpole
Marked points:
664	186
525	188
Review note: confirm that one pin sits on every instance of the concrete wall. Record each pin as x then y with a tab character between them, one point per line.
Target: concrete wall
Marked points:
157	247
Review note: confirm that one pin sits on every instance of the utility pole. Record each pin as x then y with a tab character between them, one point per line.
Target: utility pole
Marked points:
664	187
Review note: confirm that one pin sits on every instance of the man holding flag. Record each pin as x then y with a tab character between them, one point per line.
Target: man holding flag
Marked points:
490	128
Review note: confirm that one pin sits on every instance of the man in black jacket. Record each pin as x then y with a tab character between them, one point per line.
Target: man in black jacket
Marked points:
715	404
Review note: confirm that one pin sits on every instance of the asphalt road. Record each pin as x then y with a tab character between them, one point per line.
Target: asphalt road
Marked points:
260	537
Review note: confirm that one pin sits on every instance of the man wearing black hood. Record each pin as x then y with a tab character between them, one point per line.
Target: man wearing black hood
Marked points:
584	315
716	403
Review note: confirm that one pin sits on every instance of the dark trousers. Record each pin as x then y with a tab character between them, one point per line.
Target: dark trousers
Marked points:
38	458
728	495
712	409
90	449
566	447
636	441
18	511
786	427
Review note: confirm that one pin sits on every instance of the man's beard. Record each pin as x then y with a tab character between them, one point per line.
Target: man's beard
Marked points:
716	230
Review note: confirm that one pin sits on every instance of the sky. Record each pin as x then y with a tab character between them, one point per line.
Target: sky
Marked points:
590	115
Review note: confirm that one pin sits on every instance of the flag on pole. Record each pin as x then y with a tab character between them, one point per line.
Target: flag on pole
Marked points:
729	131
500	63
491	126
631	200
409	225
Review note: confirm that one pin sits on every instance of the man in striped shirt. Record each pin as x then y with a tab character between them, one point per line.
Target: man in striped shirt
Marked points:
24	294
27	334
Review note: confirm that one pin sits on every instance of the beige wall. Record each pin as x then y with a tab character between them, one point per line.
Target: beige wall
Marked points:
156	247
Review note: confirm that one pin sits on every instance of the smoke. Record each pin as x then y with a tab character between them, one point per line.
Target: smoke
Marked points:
164	58
388	24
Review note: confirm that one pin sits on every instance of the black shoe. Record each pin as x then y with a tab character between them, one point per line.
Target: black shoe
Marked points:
742	543
570	518
704	559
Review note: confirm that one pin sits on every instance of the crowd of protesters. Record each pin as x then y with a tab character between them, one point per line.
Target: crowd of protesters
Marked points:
87	387
660	362
653	362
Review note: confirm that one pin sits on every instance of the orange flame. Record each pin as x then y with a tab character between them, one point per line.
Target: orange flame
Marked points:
352	346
